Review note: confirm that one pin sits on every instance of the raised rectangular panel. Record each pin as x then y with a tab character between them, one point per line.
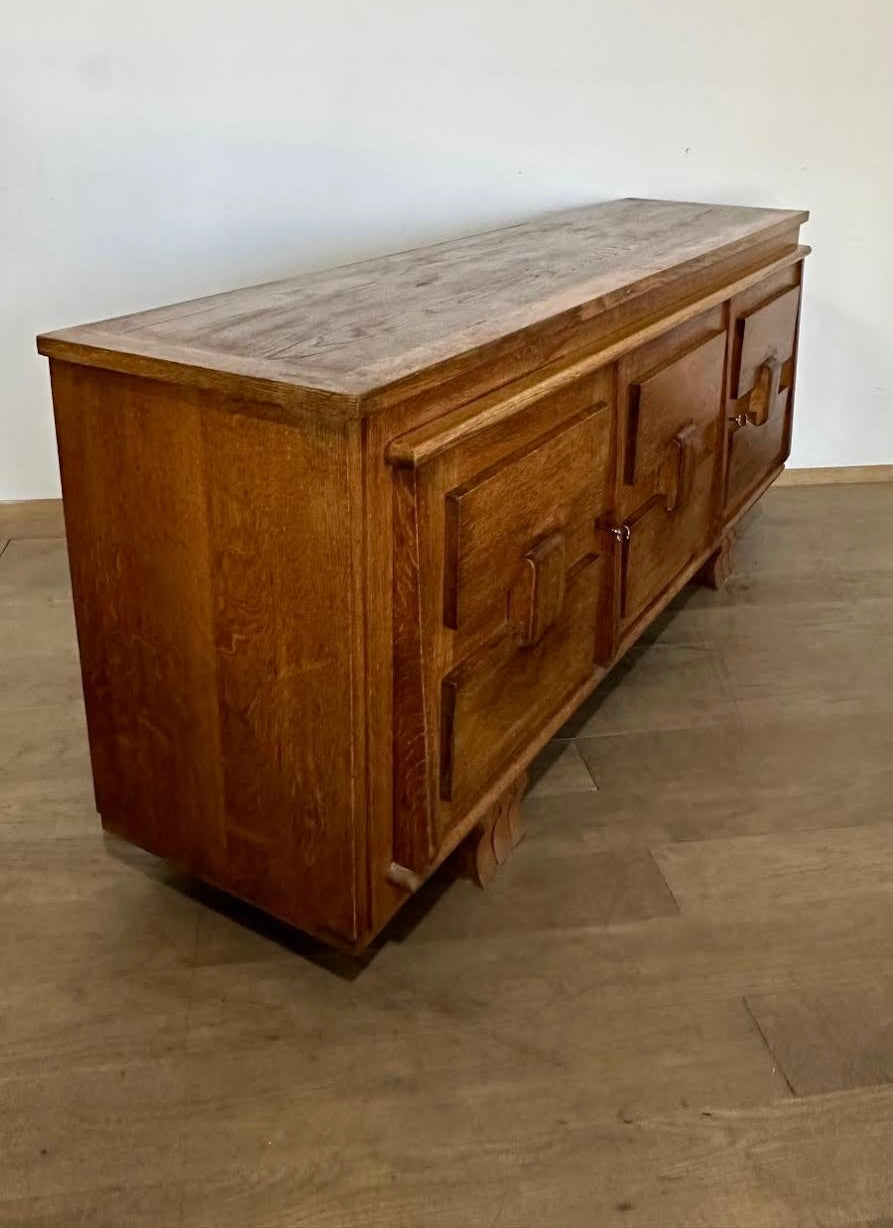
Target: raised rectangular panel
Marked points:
494	701
766	332
559	483
663	402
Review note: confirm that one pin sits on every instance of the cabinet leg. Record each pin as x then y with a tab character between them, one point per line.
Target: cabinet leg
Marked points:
497	832
718	567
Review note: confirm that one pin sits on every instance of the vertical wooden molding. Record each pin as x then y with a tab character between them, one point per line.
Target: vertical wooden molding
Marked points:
451	562
413	810
449	689
792	385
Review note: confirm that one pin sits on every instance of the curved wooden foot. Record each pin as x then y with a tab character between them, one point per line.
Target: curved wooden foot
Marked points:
497	832
718	567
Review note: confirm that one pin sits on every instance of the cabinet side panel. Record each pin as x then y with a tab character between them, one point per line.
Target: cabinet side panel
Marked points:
135	520
283	608
213	578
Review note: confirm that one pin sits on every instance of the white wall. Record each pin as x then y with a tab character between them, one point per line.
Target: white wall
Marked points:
156	150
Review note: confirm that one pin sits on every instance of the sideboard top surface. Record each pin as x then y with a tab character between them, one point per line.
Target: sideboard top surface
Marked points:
341	334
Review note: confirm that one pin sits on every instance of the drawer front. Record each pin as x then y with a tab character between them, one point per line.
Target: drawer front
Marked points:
671	460
557	485
763	358
498	698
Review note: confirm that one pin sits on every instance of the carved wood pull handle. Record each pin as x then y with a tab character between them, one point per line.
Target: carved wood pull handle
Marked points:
764	392
537	595
681	467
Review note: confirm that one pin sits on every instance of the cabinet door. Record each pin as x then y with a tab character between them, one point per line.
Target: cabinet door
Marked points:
760	401
522	539
504	592
670	462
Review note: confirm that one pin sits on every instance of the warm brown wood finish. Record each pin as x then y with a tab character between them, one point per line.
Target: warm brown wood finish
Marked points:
671	398
499	831
761	378
347	549
718	566
221	712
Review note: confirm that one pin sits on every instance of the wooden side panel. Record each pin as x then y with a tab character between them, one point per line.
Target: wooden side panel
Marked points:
212	569
136	523
281	581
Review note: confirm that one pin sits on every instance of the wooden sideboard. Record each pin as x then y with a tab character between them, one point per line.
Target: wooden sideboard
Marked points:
347	549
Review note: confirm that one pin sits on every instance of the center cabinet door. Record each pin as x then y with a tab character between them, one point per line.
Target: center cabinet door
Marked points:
517	588
671	406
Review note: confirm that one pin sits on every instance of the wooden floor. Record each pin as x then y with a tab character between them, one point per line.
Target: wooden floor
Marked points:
673	1009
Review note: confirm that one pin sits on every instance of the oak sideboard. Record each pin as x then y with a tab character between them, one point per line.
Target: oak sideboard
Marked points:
347	549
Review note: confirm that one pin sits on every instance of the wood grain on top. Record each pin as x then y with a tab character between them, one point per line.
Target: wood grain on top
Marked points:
349	331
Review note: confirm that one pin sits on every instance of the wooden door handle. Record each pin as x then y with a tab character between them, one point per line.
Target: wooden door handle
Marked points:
764	392
680	468
537	596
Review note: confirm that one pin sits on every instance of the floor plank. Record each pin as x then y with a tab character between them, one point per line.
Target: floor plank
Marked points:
596	888
829	1039
779	776
747	875
658	685
30	518
560	770
34	568
140	1206
83	1128
817	1162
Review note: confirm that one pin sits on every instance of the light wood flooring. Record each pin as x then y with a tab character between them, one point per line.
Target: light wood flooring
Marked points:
672	1009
